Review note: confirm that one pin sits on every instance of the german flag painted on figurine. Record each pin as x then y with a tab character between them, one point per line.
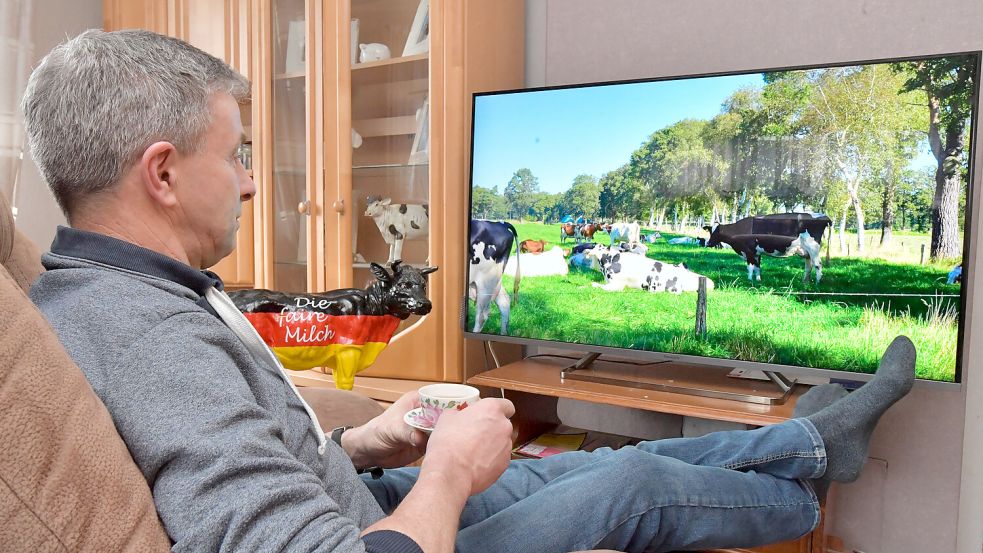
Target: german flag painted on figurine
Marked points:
344	330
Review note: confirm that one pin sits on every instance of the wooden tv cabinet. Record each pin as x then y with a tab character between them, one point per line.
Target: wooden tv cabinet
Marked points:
534	385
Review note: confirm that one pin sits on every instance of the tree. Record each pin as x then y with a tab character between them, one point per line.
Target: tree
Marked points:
583	197
948	83
519	192
856	116
483	201
621	195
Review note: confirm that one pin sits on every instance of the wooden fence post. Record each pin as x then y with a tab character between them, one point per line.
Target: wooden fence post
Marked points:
922	262
701	309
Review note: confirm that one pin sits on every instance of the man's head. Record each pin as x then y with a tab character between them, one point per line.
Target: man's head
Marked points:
135	126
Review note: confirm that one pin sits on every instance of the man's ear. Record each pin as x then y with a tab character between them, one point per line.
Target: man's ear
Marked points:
157	172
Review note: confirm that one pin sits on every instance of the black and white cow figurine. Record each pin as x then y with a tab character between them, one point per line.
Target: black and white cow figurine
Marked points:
631	270
398	222
751	246
491	245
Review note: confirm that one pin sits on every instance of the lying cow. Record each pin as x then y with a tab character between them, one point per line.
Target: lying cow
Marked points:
398	222
491	246
624	232
651	238
640	249
532	246
580	248
751	246
549	263
631	270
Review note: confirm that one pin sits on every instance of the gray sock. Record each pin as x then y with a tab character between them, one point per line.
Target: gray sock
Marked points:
817	399
846	426
811	402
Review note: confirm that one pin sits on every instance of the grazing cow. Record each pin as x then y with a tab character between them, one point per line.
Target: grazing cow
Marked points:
624	232
491	245
532	246
568	230
587	231
549	263
398	222
580	248
631	270
781	224
345	329
751	246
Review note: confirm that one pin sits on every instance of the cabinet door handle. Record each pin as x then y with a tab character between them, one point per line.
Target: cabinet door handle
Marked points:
304	207
339	206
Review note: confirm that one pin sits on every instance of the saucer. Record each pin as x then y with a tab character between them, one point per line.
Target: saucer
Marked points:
416	419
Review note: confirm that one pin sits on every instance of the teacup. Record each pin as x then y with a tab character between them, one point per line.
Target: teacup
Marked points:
436	398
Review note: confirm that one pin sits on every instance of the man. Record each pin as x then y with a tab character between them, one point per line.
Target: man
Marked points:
136	134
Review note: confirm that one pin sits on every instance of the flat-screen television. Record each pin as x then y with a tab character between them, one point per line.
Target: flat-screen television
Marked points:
792	220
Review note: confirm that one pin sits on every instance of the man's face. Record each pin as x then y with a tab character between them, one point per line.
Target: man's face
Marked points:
212	186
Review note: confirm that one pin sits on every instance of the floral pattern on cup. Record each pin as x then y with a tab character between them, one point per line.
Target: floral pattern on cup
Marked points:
433	405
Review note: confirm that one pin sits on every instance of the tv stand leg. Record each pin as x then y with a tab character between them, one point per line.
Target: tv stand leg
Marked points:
581	363
780	380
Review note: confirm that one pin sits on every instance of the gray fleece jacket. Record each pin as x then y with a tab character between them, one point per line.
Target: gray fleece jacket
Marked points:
227	448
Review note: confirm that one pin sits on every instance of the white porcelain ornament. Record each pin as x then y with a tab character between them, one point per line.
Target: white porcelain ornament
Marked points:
373	52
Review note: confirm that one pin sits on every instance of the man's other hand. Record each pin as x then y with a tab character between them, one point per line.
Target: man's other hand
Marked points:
387	441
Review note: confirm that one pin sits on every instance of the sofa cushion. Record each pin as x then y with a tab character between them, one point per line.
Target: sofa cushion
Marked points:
67	482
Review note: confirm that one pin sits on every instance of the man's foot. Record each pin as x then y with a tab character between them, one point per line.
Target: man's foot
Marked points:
846	426
817	399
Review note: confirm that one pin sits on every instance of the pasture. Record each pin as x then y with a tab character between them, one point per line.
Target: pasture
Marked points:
779	320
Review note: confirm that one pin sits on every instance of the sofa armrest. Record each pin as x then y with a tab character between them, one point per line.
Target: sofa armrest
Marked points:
336	408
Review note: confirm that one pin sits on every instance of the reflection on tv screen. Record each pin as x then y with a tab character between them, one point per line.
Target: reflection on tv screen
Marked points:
801	217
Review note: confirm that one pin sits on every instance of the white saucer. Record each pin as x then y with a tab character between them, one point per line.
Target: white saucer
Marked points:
416	419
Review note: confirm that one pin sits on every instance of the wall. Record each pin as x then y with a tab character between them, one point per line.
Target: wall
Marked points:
54	21
916	494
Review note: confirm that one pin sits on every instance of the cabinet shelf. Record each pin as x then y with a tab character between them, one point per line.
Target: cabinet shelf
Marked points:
405	68
387	166
385	126
290	76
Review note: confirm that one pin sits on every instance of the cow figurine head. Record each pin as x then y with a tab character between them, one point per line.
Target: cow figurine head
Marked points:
404	291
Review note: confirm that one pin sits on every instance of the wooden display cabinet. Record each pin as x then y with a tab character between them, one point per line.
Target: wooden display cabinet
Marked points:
306	229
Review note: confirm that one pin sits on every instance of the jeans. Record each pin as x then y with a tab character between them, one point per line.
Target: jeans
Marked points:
726	489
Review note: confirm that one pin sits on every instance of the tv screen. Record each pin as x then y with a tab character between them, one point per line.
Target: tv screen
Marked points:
775	219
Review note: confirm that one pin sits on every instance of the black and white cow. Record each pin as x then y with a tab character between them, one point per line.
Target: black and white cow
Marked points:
777	235
624	232
491	245
398	222
631	270
751	246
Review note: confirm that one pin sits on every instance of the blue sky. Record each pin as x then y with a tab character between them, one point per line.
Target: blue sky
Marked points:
559	134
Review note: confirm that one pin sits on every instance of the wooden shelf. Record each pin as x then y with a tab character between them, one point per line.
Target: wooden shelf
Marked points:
290	76
541	376
385	126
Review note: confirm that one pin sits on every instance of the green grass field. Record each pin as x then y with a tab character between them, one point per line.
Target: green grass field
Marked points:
778	320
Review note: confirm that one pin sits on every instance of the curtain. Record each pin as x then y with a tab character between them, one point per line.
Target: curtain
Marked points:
15	59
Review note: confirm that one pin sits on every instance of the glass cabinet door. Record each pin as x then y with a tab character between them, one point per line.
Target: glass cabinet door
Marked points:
291	206
390	115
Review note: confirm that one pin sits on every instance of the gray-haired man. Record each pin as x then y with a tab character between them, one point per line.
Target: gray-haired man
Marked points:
137	134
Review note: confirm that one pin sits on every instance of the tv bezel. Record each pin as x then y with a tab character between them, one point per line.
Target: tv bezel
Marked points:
969	242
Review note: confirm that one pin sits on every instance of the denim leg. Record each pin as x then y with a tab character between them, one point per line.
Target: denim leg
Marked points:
625	498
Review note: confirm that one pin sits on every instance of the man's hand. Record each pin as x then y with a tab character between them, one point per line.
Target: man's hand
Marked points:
387	441
473	445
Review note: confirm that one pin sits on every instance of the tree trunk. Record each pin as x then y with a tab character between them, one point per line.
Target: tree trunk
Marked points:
652	216
887	218
843	228
945	206
859	213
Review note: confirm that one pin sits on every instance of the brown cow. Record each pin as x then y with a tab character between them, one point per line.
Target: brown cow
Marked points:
567	230
587	231
532	246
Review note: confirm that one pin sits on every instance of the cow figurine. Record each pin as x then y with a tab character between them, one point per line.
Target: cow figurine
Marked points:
345	329
398	222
